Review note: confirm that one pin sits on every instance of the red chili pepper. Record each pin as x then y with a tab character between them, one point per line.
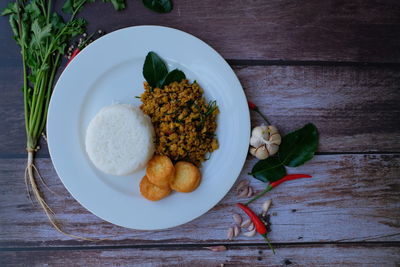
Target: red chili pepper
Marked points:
74	53
252	106
288	177
79	48
258	224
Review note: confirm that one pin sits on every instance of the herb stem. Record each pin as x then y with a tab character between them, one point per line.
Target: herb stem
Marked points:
77	10
38	117
48	11
35	100
25	84
48	95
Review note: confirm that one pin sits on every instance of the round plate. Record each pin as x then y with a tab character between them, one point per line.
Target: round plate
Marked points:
110	71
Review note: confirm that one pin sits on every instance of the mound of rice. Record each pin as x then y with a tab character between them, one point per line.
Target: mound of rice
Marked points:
119	139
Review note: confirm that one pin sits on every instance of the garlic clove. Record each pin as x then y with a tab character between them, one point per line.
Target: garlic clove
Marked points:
250	227
253	151
272	130
236	231
250	234
265	206
216	248
256	141
250	193
241	185
272	149
246	223
262	152
237	218
275	139
230	233
244	192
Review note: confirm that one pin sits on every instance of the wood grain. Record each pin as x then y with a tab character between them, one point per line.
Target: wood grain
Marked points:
351	198
355	109
334	30
348	214
303	255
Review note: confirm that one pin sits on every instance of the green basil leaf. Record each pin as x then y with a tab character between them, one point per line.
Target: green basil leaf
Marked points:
268	170
154	70
173	76
299	146
160	6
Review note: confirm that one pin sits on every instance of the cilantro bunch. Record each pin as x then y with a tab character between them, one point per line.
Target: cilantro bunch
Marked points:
43	36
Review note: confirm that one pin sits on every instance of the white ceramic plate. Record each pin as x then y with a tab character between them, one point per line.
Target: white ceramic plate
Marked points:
110	70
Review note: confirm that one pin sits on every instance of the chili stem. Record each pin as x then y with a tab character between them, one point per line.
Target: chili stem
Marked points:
269	243
263	116
259	195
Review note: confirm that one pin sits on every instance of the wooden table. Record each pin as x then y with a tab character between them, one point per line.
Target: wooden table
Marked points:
334	63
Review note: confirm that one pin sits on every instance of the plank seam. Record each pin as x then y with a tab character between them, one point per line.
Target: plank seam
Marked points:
288	63
46	156
178	246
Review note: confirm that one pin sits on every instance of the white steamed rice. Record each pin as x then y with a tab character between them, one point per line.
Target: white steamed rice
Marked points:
119	139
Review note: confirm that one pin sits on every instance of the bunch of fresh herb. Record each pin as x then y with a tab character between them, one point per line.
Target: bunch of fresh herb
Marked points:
43	36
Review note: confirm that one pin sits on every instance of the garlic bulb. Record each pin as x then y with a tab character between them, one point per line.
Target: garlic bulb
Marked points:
264	141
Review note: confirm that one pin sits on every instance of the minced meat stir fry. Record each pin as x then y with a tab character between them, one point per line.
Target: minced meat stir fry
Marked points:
183	122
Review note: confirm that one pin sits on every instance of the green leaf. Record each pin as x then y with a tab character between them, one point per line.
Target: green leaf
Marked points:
173	76
13	19
74	6
160	6
299	146
10	9
154	70
75	27
33	10
268	170
57	21
118	4
61	48
68	6
39	33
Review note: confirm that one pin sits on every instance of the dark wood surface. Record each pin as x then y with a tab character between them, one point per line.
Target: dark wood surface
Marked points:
334	63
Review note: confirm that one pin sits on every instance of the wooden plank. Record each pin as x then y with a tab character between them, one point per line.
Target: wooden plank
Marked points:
351	198
355	109
275	30
346	104
304	255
